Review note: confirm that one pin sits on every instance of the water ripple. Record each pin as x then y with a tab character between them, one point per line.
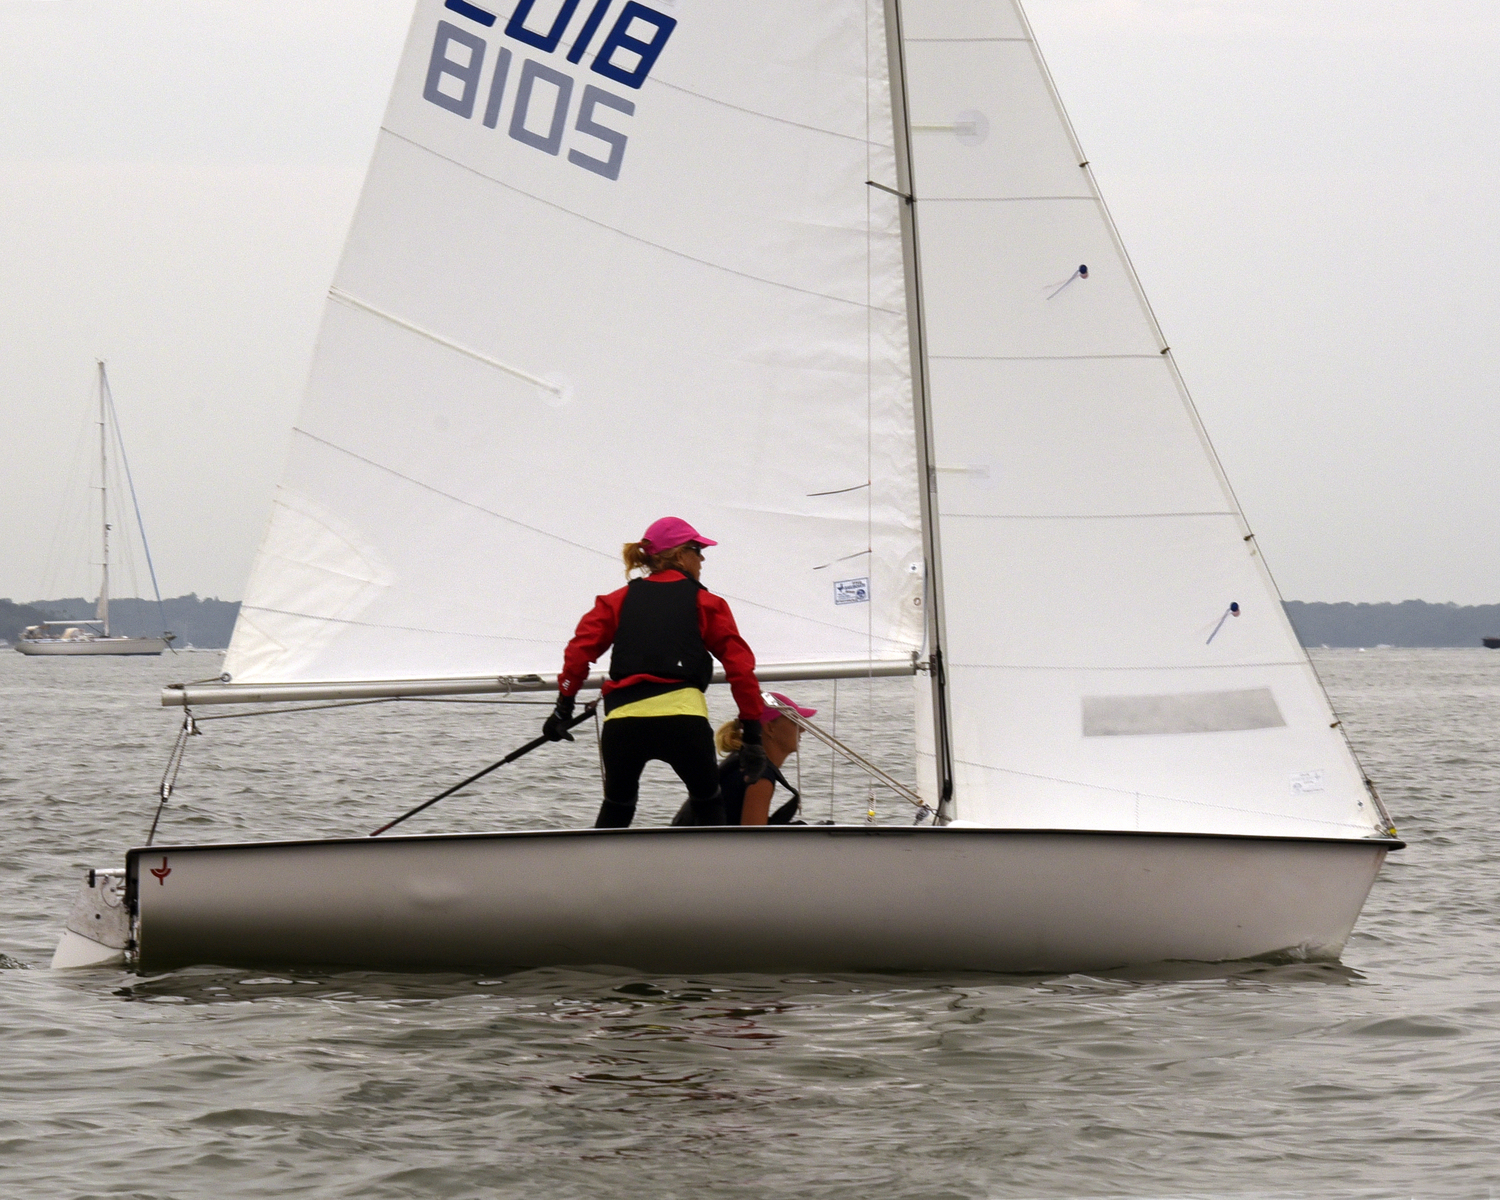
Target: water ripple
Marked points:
1374	1077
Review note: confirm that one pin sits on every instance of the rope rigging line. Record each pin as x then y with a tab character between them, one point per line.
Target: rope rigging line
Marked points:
1138	795
468	700
876	774
833	758
624	234
274	712
174	764
599	748
588	711
343	450
869	438
191	722
140	523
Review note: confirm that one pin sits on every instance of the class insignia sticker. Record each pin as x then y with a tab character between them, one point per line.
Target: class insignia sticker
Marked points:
851	591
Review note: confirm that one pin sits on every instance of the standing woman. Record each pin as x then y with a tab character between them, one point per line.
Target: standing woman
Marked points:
664	627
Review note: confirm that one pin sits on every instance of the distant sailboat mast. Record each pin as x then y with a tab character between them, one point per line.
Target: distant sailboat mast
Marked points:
107	398
102	611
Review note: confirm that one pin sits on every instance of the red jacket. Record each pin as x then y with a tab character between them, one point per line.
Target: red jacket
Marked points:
596	633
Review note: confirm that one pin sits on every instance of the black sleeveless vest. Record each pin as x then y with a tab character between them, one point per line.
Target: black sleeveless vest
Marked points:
658	635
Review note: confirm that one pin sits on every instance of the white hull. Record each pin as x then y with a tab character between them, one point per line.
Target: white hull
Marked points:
773	898
114	645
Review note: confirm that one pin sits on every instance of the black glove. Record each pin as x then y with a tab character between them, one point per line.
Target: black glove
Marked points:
555	728
752	753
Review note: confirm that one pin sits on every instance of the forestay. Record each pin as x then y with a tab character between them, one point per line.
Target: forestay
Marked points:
1118	657
612	261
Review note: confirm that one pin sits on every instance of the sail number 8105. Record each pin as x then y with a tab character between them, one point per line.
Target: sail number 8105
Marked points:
543	96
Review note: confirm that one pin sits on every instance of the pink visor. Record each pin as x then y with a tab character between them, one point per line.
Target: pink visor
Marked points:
770	714
669	533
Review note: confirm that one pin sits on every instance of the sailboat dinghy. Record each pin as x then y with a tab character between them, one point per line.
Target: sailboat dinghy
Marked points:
833	279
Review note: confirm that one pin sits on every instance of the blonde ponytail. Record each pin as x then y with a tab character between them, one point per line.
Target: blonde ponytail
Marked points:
638	559
730	737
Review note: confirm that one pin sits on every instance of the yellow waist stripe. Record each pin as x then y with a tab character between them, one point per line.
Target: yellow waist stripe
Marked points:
683	702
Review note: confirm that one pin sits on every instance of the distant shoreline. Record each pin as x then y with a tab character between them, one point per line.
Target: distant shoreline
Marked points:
1411	623
207	622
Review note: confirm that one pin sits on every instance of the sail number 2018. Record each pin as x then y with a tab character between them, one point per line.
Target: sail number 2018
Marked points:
543	97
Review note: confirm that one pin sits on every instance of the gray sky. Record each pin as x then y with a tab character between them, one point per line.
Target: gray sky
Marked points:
1307	191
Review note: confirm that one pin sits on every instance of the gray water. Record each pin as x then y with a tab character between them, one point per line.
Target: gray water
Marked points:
1374	1077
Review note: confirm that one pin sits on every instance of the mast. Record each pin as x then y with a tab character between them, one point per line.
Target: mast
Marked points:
921	404
135	503
102	613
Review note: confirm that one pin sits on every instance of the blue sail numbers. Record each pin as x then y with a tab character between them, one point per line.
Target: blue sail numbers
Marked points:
541	101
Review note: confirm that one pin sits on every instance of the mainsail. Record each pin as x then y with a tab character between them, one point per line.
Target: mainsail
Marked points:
612	261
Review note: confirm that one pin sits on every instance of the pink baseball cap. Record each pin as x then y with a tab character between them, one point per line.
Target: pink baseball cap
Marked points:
669	533
769	714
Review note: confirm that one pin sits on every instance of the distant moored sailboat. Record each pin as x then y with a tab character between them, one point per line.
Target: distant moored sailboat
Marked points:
75	637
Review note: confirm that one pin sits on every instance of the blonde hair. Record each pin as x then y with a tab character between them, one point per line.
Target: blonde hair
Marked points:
730	737
638	559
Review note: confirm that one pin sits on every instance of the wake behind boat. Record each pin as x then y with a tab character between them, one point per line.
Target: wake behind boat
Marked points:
838	283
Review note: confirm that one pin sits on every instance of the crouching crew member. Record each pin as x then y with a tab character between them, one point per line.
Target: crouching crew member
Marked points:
664	627
748	801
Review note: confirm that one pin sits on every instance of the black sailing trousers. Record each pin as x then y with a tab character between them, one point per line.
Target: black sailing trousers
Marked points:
684	743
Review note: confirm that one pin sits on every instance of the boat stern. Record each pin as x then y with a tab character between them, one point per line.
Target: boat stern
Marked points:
97	932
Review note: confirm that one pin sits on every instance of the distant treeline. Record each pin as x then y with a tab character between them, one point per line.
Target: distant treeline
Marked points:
1411	623
196	622
15	617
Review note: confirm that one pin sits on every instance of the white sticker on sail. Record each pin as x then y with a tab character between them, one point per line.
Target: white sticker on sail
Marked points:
851	591
1305	782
